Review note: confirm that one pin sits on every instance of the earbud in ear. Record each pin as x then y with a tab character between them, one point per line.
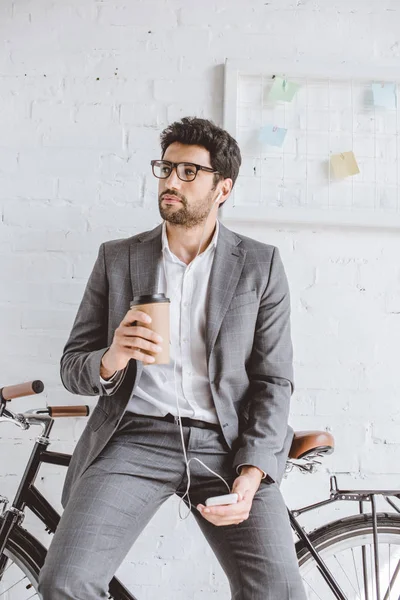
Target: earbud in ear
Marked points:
218	197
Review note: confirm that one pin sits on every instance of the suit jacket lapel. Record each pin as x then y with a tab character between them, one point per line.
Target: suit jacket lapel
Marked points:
144	257
145	254
225	274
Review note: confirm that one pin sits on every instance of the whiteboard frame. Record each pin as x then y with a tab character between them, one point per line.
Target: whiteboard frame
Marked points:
302	216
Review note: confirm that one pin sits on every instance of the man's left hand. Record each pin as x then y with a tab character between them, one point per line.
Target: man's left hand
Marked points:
245	486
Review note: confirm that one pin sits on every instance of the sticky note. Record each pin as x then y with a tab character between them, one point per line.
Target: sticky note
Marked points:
344	165
272	135
283	90
384	94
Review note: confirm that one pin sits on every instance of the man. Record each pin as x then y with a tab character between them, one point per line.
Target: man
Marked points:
229	378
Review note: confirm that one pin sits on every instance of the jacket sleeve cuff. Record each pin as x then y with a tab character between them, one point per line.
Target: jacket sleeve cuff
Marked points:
248	465
111	385
265	462
94	359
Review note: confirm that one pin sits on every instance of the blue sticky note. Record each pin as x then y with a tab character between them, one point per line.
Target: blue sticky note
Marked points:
384	94
283	90
272	135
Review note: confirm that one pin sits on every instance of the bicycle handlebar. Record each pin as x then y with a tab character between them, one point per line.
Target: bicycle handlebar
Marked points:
36	387
21	389
68	411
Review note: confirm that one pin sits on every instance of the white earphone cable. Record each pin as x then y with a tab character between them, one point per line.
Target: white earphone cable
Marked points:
187	462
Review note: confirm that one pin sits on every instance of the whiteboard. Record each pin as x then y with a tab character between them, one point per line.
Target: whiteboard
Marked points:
330	114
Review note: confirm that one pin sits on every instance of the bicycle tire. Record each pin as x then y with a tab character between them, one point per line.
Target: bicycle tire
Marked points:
347	532
27	553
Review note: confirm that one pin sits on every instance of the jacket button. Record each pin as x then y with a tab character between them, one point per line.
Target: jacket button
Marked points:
96	390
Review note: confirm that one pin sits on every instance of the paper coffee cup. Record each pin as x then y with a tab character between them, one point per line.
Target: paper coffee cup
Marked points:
157	307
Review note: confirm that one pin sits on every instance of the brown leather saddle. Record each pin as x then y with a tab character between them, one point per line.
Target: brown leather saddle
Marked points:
311	442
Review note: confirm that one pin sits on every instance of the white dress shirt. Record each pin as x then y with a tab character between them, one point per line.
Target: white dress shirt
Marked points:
187	288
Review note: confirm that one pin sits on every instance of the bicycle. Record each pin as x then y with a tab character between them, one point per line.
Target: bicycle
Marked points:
354	558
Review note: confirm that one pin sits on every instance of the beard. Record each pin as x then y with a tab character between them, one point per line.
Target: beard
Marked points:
183	214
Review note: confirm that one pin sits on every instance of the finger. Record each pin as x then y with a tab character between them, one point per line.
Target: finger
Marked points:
144	332
227	520
209	513
231	508
224	523
142	345
136	315
229	511
141	355
240	487
146	347
240	492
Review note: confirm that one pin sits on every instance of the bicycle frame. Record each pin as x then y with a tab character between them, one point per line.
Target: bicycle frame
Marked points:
360	496
28	496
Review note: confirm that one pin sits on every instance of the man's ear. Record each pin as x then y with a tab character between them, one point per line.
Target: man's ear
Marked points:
226	190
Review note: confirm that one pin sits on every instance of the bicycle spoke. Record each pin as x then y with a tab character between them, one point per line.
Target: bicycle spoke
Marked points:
312	589
388	591
13	585
16	583
392	580
350	559
10	563
347	577
372	571
355	571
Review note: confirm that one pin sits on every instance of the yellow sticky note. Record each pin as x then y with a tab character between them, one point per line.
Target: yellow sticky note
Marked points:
344	164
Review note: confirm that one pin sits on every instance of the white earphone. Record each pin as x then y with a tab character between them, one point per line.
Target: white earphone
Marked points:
218	197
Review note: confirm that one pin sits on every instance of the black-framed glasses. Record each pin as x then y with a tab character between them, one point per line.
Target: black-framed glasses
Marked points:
186	171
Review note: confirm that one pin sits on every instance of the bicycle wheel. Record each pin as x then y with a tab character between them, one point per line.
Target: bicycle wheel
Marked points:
346	546
25	557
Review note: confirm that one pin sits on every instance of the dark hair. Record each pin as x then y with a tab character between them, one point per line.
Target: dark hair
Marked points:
223	148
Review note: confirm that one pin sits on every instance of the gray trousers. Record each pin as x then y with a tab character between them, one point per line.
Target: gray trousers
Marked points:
142	466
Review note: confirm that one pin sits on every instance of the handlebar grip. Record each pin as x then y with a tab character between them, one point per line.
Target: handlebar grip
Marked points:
21	389
68	411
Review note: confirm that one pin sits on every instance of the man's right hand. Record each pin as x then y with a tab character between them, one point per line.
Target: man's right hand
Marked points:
130	341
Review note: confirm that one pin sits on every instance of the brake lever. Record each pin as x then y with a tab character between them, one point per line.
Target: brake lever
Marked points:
22	424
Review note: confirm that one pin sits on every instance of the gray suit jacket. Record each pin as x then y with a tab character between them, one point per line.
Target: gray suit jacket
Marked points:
248	342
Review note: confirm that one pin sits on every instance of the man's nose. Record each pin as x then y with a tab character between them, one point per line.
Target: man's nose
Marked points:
173	180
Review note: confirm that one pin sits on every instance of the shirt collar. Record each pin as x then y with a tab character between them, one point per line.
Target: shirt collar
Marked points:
164	238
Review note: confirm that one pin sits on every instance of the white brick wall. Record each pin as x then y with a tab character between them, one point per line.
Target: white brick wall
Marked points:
85	88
